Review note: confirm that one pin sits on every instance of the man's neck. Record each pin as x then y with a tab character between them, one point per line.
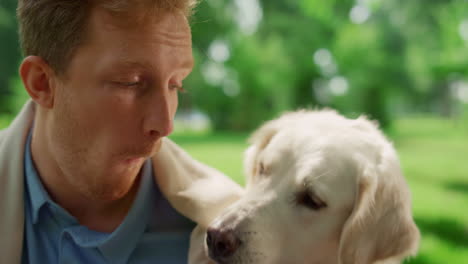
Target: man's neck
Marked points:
103	217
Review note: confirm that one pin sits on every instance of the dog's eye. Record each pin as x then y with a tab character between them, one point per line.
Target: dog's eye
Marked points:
309	200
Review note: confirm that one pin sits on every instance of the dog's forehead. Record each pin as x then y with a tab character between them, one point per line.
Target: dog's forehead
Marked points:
313	157
318	147
311	149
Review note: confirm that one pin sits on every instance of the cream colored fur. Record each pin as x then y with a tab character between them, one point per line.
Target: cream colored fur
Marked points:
350	166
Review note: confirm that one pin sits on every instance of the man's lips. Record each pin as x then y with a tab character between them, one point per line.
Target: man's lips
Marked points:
137	155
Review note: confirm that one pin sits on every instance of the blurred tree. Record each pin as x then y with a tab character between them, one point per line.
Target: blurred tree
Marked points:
435	51
9	55
254	80
257	58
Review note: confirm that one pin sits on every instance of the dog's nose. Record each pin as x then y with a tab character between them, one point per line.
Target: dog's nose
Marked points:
221	244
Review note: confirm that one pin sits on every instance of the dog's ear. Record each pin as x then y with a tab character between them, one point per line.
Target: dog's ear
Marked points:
380	226
258	141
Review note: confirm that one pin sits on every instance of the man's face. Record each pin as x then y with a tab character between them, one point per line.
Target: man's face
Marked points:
116	101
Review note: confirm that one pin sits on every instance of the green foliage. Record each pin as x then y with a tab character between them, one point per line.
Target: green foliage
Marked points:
403	58
9	54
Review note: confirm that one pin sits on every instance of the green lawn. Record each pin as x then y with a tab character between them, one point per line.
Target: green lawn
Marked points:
434	157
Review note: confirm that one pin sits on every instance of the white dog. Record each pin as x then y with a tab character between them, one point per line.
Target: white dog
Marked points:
320	189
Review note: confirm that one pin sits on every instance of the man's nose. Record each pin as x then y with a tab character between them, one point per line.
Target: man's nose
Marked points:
221	244
159	118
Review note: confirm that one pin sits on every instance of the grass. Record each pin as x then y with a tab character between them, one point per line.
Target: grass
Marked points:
223	151
434	158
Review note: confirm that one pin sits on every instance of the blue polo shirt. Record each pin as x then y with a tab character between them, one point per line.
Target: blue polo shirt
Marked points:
152	231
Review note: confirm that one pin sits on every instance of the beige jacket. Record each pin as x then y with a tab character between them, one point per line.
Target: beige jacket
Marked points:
194	189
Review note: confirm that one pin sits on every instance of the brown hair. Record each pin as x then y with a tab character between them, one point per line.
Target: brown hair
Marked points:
53	29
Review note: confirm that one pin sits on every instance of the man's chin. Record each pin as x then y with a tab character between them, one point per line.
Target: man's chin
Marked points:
115	187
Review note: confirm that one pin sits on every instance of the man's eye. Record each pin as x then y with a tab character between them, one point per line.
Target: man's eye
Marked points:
177	87
122	84
129	84
309	200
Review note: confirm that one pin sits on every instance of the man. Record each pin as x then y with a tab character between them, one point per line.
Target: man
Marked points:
77	184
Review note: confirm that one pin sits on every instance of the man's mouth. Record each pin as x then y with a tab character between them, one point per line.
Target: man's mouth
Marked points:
136	156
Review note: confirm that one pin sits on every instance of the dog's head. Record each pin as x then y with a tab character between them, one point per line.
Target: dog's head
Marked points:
320	189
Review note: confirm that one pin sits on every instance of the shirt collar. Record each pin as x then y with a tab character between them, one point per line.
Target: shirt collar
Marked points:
118	246
38	196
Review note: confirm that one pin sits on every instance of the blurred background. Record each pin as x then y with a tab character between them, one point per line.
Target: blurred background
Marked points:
403	63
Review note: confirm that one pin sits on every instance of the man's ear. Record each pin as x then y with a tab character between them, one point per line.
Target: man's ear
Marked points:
380	227
38	80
